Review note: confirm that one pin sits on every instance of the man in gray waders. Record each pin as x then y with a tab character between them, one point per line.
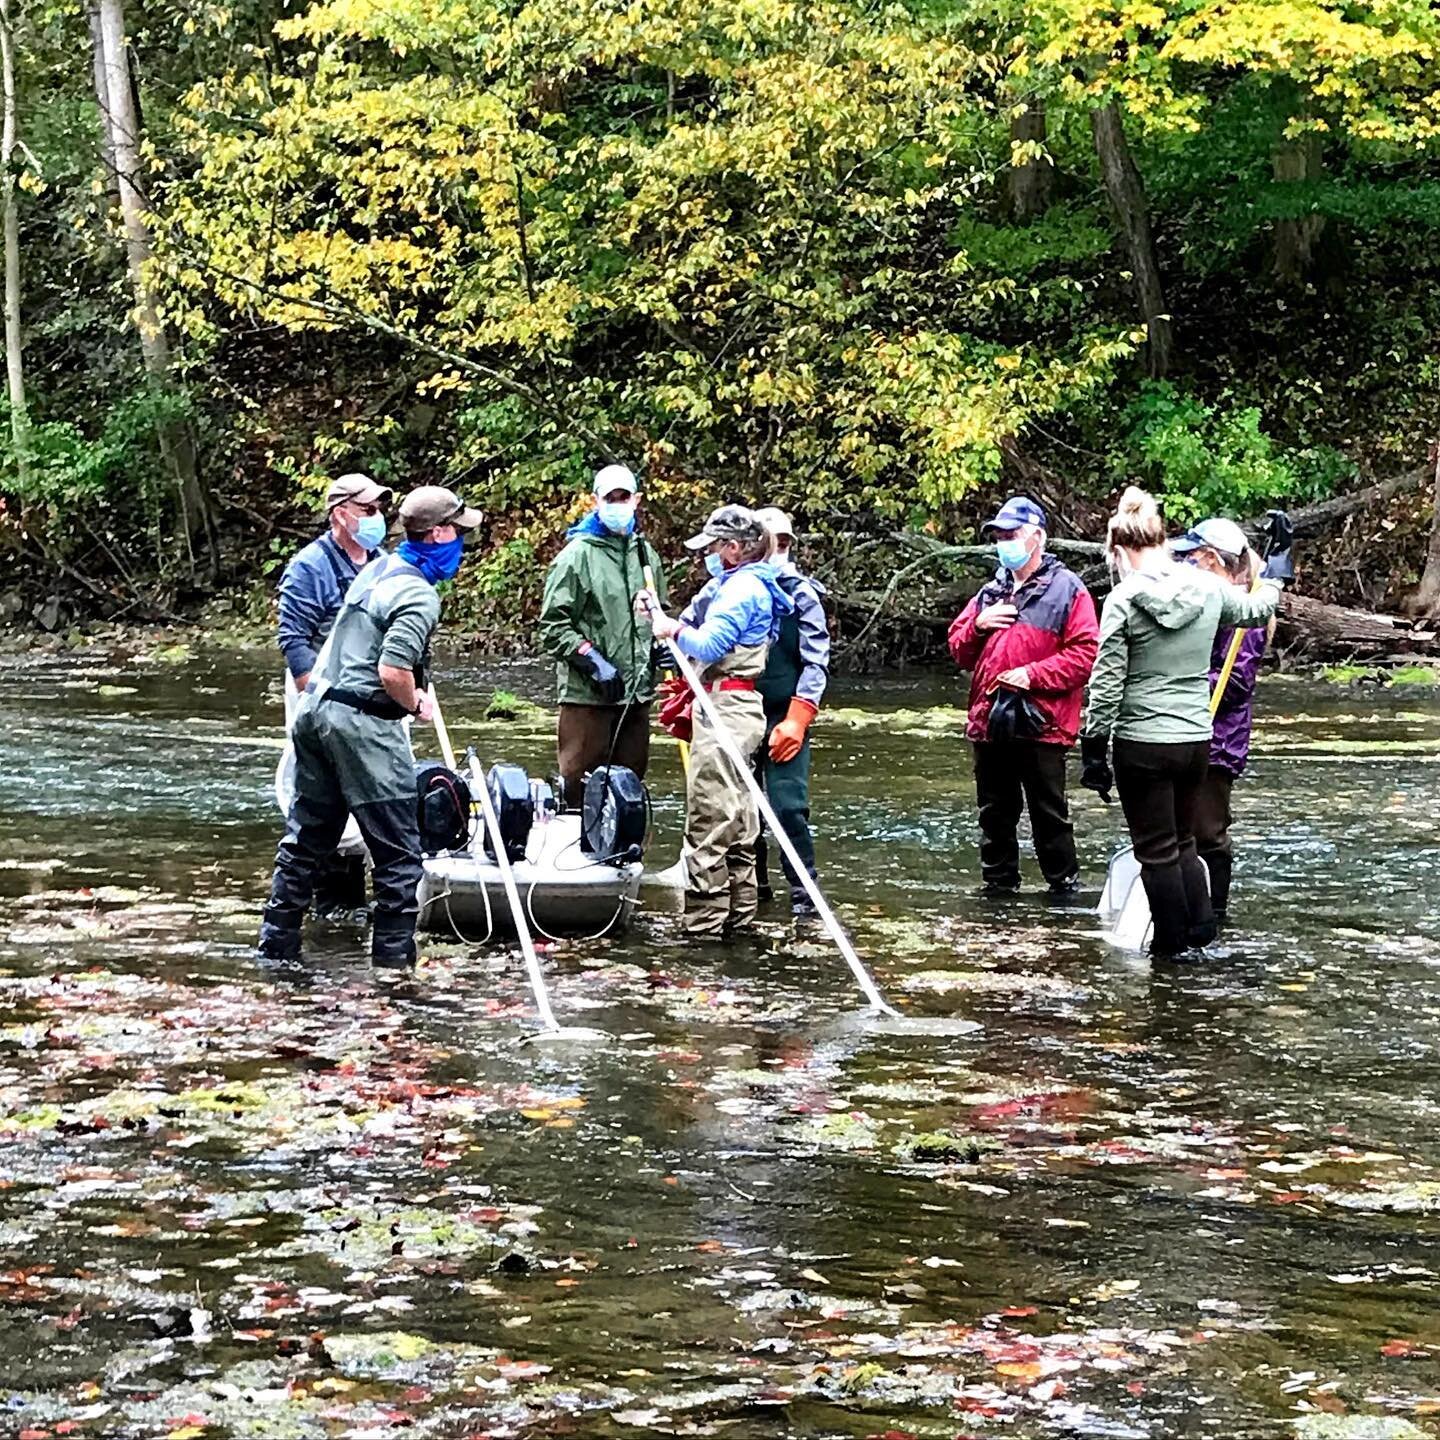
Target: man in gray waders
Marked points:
352	750
796	672
312	588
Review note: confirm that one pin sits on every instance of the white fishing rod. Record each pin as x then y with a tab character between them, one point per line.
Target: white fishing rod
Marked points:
747	775
553	1030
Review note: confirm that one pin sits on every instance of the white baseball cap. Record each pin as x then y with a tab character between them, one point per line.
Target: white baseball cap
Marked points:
1224	536
615	477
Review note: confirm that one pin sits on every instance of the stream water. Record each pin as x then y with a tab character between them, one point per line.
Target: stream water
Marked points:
1190	1202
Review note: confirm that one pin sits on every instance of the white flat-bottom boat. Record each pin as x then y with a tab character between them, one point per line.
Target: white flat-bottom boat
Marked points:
563	890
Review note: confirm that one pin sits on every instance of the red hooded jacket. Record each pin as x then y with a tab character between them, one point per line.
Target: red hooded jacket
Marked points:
1055	638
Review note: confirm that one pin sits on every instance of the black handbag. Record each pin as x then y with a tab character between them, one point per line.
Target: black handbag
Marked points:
1014	716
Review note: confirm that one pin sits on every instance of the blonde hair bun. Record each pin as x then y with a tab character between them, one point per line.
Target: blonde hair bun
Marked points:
1136	523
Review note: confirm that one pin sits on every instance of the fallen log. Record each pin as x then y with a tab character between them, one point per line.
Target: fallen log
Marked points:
1311	627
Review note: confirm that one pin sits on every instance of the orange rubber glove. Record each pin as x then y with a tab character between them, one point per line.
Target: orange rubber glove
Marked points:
789	735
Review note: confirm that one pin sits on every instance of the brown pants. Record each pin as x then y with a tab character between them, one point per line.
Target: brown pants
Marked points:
589	735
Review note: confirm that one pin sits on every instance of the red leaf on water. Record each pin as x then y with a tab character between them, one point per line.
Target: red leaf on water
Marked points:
1400	1349
1016	1311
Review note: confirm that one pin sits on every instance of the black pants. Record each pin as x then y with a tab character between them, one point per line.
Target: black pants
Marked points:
1212	836
1159	786
392	836
1012	776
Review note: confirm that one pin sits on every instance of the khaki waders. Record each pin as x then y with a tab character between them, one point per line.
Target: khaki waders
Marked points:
722	823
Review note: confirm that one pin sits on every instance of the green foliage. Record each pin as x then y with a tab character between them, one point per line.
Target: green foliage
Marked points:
66	470
1211	460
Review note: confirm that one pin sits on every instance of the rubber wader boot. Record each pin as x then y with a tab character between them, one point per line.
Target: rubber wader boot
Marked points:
1197	898
279	935
392	941
1169	911
340	886
763	886
1220	866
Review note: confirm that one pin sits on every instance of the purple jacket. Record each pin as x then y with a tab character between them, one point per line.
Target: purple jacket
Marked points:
1230	744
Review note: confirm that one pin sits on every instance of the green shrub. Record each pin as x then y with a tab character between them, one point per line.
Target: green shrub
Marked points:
1206	460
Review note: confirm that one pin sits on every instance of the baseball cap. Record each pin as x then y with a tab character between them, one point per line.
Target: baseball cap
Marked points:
729	522
1018	510
615	477
1214	534
430	505
356	487
776	521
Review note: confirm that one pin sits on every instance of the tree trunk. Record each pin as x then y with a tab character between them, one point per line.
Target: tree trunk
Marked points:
117	104
1427	597
1127	198
102	100
1293	163
14	335
1029	180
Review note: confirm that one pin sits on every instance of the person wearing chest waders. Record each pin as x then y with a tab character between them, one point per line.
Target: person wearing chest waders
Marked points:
1150	690
791	688
1028	638
1220	547
727	630
312	588
352	748
601	645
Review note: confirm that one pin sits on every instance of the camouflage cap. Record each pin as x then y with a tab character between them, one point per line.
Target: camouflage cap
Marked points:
729	522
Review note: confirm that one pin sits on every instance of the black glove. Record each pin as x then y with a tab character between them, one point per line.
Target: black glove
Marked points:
1279	536
592	663
1095	772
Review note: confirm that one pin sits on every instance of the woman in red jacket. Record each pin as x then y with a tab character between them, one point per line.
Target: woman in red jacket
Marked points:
1032	629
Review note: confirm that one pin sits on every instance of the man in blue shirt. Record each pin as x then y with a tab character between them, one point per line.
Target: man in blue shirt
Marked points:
312	588
796	673
726	630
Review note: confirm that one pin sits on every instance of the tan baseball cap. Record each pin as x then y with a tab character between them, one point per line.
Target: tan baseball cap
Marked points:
776	521
431	505
356	487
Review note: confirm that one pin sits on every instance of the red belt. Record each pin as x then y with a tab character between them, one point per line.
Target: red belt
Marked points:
730	682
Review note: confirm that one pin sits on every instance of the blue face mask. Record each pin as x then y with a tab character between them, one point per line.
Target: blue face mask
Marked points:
435	560
617	516
1012	554
715	565
371	531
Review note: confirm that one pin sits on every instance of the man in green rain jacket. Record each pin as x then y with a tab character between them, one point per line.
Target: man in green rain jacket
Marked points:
602	650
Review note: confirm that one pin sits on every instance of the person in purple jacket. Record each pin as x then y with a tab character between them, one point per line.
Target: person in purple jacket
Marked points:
1220	547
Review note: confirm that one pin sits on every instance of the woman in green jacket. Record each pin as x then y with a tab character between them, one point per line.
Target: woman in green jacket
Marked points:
1150	690
602	650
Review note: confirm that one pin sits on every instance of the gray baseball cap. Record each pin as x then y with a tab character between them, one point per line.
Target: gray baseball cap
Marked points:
729	522
431	505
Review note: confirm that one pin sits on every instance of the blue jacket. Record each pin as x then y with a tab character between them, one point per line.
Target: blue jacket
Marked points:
743	606
311	592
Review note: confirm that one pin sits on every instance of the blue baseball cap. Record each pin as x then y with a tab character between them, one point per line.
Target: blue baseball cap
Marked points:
1018	510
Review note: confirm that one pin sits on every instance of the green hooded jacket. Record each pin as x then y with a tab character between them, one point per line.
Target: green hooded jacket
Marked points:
1152	676
589	595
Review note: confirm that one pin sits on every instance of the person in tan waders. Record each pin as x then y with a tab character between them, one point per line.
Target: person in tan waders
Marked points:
727	630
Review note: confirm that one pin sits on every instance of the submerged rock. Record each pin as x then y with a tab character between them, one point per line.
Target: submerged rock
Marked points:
941	1147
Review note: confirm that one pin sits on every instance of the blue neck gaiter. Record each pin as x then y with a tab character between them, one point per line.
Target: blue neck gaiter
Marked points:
436	561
